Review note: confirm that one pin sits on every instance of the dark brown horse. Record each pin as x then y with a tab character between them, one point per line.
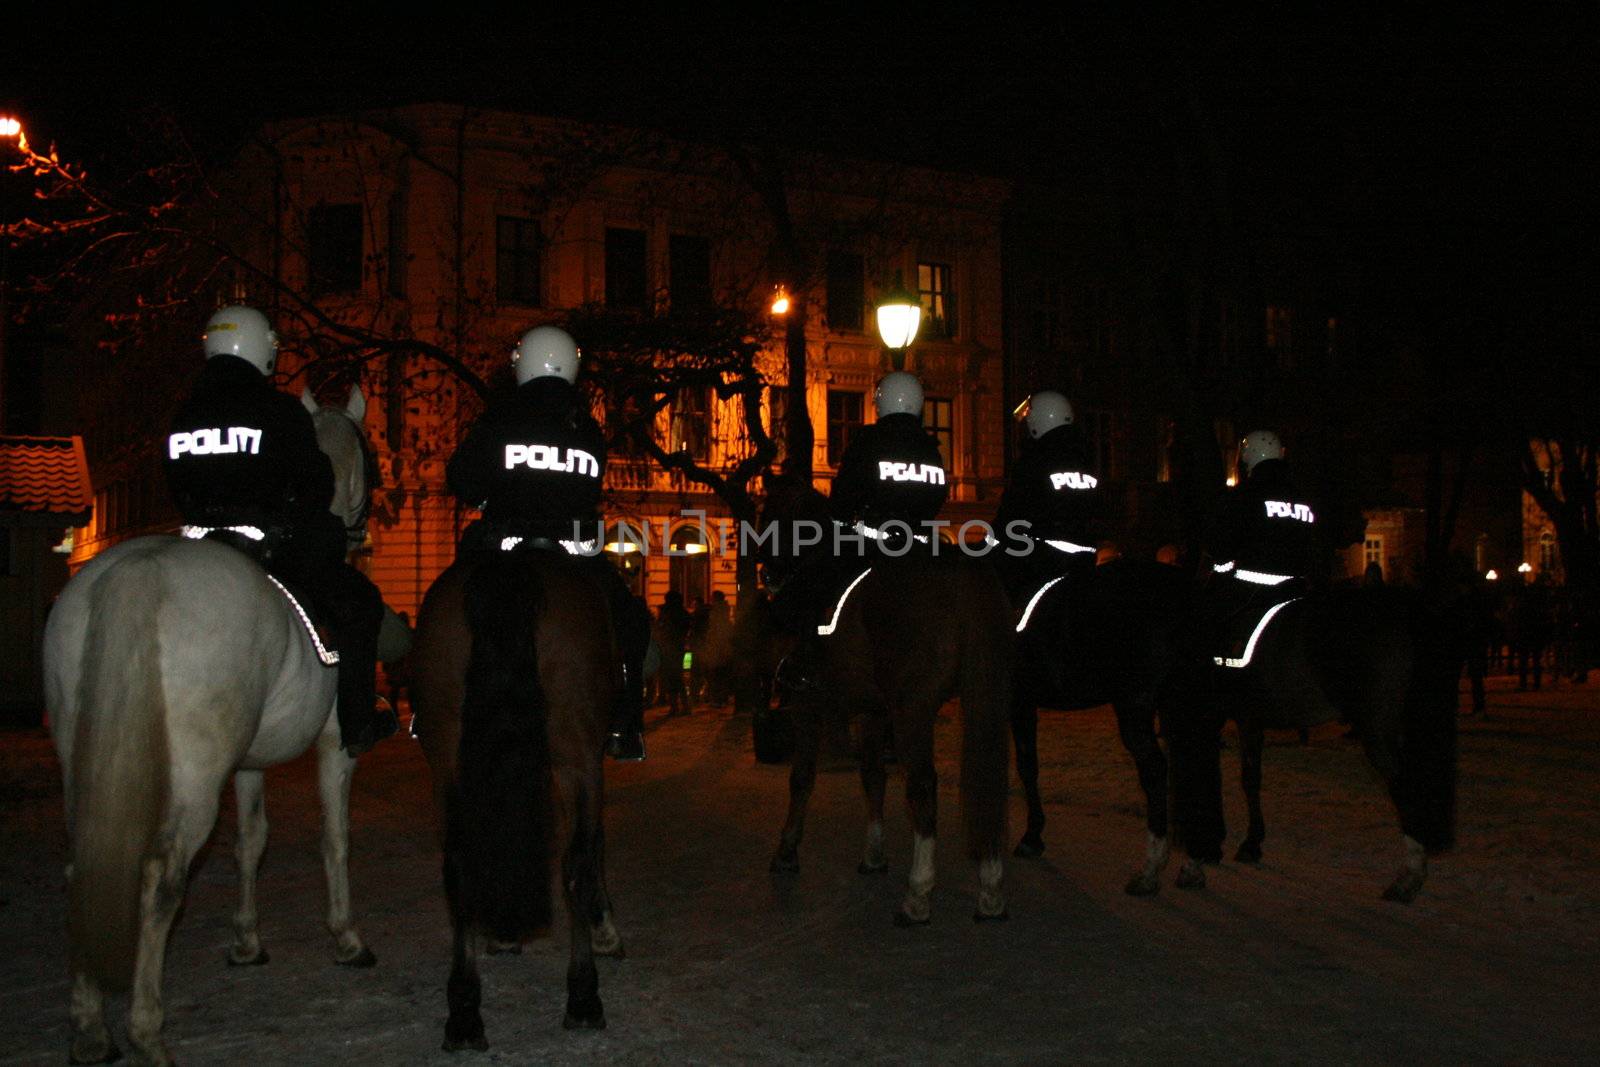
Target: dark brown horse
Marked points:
911	633
516	669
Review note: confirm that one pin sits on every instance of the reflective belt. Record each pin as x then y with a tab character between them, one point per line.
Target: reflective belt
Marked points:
195	533
878	535
1259	578
1027	612
1250	645
1068	546
573	548
838	609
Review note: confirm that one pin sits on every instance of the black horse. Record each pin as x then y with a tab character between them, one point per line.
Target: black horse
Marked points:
1104	636
1381	659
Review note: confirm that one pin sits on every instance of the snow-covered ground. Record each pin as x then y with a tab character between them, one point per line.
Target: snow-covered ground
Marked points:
1297	959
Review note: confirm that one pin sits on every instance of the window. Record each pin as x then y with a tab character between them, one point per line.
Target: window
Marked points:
690	570
333	248
689	272
1548	553
936	418
778	420
847	288
691	422
397	258
844	419
518	255
1372	552
1278	334
625	268
1480	553
938	305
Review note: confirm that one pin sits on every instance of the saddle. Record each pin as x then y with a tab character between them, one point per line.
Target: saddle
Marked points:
258	545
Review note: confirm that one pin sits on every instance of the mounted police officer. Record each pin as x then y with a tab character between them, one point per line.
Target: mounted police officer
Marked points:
1265	547
243	466
891	480
1055	489
534	463
890	486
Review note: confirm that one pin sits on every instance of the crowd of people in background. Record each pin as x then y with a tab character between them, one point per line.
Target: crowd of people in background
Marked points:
696	645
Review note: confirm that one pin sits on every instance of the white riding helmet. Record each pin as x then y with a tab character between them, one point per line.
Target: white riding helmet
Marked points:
1257	446
898	394
1046	410
546	352
243	332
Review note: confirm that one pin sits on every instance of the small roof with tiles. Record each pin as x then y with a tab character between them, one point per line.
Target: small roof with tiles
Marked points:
44	481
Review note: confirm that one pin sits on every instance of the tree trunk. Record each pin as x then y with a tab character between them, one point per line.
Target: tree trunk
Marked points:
799	437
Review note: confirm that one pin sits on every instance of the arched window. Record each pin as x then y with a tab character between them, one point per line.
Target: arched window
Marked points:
690	572
625	549
1549	553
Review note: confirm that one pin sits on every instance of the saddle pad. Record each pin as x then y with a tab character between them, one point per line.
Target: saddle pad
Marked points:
1242	660
327	655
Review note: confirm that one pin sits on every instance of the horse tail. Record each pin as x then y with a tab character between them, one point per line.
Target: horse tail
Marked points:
1425	788
985	683
500	814
120	772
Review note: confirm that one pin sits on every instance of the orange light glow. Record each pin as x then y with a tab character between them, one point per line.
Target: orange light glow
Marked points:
9	127
780	301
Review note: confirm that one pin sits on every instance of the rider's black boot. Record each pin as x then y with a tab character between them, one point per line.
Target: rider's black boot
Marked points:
801	669
625	741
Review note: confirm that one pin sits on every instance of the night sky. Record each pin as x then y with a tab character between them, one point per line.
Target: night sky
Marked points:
1451	156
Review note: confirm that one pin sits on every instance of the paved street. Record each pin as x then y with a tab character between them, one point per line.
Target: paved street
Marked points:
1296	960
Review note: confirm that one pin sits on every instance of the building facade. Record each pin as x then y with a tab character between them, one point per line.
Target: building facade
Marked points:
462	228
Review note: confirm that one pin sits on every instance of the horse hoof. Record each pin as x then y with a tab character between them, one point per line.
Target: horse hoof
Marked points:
360	960
1249	852
1031	847
94	1052
786	863
1192	876
259	959
504	948
465	1033
1142	885
1000	917
903	920
584	1017
881	867
1403	890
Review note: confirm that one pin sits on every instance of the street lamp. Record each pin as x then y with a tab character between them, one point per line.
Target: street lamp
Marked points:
899	315
780	300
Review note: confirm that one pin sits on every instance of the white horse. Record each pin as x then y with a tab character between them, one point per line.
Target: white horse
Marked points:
171	664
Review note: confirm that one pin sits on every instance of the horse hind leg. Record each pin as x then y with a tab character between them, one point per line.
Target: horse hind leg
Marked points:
1025	736
922	799
580	878
91	1041
1137	729
604	937
248	790
1413	872
464	991
164	876
874	782
802	779
334	771
1251	741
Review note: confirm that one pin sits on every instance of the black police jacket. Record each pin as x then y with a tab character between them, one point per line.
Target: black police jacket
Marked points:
535	457
242	453
1268	525
1054	488
891	470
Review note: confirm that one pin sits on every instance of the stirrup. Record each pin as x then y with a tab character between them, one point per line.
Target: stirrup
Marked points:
625	747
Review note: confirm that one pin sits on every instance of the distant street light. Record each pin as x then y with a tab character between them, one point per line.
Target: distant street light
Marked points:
899	315
1524	567
1492	575
780	301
